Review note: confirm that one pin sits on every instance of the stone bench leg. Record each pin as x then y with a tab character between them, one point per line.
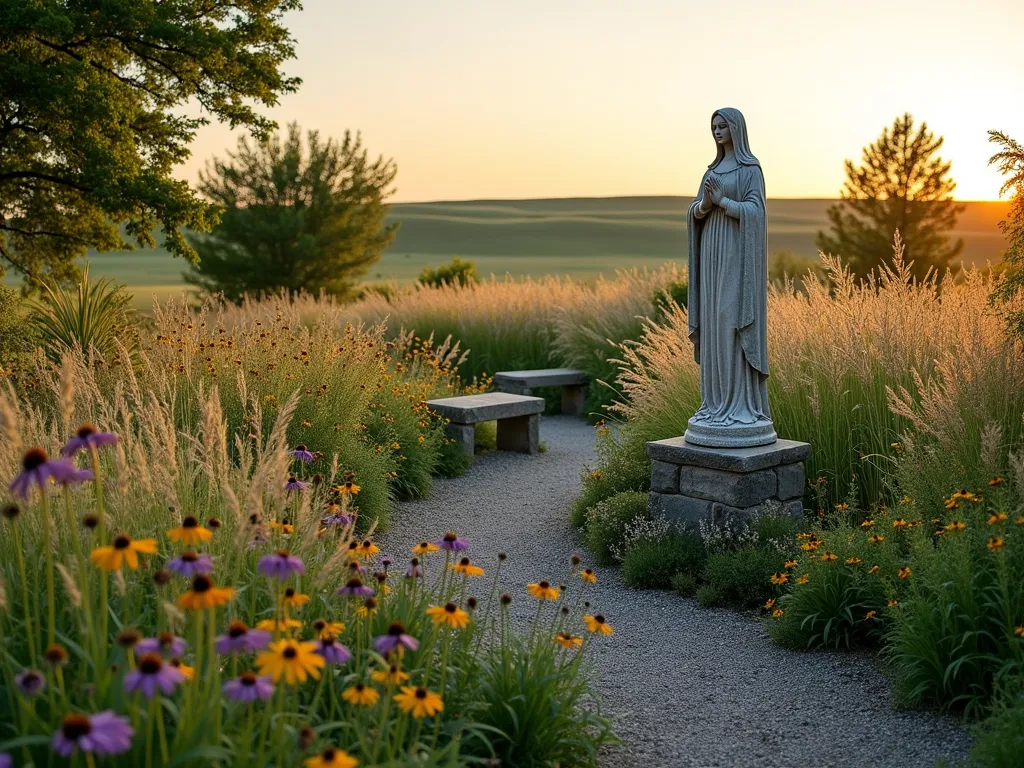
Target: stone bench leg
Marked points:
464	435
572	399
520	434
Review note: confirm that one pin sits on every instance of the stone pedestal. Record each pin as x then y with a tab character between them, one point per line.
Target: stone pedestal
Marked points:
690	483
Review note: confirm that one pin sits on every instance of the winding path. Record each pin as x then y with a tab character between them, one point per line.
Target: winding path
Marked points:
685	686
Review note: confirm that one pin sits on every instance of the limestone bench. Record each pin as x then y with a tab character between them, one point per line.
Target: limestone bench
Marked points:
572	382
518	419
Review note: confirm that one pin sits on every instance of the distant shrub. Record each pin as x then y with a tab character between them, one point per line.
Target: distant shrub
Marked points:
18	335
455	272
606	523
677	291
739	578
999	740
655	564
685	584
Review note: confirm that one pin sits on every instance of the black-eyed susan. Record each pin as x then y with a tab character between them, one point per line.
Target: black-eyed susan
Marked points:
810	546
543	590
190	532
327	627
955	526
332	757
778	578
893	602
588	575
996	481
1019	631
803	579
367	549
853	560
870	615
598	623
425	548
466	568
419	701
361	695
293	660
294	599
828	557
368	608
995	543
867	523
998	517
791	564
567	640
769	604
778	613
904	572
123	551
876	539
873	570
275	625
449	614
391	675
204	594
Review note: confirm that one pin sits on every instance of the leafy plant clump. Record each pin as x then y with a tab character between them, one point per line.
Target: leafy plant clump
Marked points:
606	523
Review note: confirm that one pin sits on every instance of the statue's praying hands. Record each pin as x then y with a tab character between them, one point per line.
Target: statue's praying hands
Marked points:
713	190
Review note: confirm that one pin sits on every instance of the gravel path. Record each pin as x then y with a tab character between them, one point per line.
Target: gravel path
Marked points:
685	686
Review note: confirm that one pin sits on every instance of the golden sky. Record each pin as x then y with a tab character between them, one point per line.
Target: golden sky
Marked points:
565	98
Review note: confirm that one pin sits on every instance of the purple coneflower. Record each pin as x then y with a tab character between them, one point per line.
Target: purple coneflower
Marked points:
30	682
165	643
152	675
294	484
395	638
189	564
415	570
301	453
354	587
37	468
336	519
6	761
87	437
103	734
333	651
249	687
280	565
452	542
240	639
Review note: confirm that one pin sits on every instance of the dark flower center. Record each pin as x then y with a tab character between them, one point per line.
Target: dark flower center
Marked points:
327	640
353	566
127	638
213	522
248	679
421	693
360	687
424	544
415	561
122	542
237	629
55	654
11	511
190	522
189	556
90	521
319	625
396	629
75	727
31	680
289	653
367	544
150	664
450	537
34	458
300	447
354	545
283	553
471	603
201	584
291	478
599	619
451	608
370	603
166	639
327	756
465	561
354	583
544	585
289	593
86	430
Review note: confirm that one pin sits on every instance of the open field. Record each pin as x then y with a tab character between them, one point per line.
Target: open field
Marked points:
581	237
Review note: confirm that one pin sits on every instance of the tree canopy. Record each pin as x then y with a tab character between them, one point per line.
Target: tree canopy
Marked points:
294	218
1010	161
91	118
901	184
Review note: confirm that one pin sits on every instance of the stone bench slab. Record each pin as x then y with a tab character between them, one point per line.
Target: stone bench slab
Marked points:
544	377
491	406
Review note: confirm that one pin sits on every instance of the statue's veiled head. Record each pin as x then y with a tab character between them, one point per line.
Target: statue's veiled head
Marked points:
729	127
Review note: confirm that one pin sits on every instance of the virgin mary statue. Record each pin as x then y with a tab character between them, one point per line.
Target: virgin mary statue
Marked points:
728	294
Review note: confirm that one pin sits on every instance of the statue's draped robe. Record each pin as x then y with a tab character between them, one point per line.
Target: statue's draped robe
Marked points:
727	300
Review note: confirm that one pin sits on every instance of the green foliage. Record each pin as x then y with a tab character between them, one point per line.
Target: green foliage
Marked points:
294	219
91	97
456	271
999	740
677	291
685	584
92	315
485	436
606	522
541	711
902	186
786	265
1010	161
739	577
18	335
655	564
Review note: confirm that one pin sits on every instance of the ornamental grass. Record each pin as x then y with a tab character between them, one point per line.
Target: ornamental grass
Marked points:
168	601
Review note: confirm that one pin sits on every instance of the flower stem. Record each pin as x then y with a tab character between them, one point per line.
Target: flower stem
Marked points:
29	626
51	606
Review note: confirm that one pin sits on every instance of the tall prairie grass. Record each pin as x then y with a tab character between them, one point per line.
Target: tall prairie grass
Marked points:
858	368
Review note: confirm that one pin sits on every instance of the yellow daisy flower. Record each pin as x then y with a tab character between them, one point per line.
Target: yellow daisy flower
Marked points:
778	613
449	614
996	542
893	602
803	579
292	659
123	550
828	556
419	701
187	671
204	594
904	572
425	548
331	758
852	560
996	481
273	625
466	568
791	564
769	604
998	517
190	532
294	599
778	578
870	615
867	523
588	575
899	522
598	623
393	675
368	608
873	571
368	549
325	627
566	640
361	695
543	590
955	526
877	539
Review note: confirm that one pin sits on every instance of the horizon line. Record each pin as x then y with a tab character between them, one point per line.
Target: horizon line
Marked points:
621	197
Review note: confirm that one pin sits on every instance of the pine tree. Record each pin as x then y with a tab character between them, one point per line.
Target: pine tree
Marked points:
900	185
1010	160
293	219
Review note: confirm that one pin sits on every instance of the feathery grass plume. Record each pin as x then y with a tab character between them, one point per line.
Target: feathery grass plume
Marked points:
70	586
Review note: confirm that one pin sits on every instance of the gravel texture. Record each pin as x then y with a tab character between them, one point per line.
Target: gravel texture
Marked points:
685	686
